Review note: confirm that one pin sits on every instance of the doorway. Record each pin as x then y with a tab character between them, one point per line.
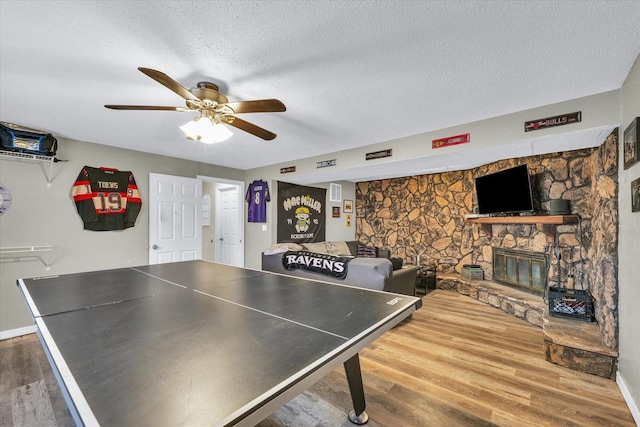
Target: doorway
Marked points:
223	239
180	229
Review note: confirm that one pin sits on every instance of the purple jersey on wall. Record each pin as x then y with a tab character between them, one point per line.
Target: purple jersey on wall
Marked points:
257	196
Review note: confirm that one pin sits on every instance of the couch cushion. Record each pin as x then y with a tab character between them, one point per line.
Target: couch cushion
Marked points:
366	251
353	246
318	247
338	248
282	247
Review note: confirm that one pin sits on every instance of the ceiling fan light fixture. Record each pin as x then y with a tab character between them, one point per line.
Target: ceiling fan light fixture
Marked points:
214	107
206	130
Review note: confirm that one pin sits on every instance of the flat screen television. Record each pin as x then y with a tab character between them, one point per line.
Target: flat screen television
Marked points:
505	192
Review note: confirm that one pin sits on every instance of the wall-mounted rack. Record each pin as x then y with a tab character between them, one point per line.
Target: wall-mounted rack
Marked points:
43	160
20	252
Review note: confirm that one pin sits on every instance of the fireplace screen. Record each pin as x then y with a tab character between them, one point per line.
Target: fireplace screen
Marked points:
520	268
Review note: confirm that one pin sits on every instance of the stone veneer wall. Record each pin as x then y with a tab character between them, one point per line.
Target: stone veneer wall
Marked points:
424	215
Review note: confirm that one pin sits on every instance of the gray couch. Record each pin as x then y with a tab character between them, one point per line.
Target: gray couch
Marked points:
363	272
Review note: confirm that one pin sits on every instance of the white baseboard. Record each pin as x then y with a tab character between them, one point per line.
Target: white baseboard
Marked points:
12	333
633	407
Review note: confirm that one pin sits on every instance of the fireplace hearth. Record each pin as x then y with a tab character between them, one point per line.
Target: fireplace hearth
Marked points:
520	268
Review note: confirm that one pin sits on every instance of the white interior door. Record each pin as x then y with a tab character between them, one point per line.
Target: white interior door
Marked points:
175	221
229	231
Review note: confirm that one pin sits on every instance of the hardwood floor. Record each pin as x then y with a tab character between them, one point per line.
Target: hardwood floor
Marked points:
455	362
29	392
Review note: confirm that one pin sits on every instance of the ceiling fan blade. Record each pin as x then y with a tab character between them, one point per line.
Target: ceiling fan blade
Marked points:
145	107
249	127
258	106
169	83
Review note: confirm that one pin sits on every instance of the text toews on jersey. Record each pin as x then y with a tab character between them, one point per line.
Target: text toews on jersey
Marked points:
107	199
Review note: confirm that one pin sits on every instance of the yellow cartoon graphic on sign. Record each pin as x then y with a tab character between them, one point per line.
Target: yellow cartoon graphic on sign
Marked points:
302	214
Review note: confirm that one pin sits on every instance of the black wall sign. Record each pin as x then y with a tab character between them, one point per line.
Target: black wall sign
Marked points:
288	169
325	163
377	154
550	122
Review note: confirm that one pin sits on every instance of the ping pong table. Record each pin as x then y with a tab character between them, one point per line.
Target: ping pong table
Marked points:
201	343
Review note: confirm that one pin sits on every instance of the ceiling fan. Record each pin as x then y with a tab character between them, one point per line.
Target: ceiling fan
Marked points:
214	108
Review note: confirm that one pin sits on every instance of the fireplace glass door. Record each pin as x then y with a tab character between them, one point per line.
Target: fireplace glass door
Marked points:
520	268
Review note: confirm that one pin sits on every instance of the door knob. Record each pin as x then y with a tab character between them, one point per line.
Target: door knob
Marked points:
155	247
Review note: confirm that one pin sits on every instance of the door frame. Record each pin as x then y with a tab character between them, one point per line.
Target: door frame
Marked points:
241	209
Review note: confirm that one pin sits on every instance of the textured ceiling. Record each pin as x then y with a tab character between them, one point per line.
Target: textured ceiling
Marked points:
350	73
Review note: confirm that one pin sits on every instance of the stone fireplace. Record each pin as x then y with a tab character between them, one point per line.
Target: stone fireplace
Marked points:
425	216
524	269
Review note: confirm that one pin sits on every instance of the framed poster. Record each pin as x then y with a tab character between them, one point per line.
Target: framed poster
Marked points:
348	206
631	146
635	195
335	211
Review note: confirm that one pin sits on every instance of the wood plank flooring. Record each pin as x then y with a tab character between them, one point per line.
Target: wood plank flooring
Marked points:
455	362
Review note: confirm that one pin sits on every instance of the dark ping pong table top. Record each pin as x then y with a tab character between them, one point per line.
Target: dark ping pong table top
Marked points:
197	342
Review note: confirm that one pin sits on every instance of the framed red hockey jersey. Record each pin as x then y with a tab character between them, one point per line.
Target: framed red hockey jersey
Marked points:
107	199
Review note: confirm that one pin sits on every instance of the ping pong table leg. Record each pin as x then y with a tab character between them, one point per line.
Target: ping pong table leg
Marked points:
354	378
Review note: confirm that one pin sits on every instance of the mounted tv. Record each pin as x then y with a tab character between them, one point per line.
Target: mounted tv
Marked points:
505	192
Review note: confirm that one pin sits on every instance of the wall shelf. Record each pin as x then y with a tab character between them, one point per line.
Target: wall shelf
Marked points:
16	155
532	219
19	253
546	223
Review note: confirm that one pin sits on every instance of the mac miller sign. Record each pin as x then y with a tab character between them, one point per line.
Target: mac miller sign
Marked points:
301	213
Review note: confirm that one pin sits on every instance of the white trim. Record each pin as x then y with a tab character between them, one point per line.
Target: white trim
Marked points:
32	305
78	405
12	333
633	407
220	180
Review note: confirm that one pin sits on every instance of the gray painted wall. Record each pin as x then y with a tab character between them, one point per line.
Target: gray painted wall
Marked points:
39	215
629	250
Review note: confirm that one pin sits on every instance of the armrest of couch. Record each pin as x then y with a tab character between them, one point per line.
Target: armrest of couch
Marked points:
403	280
272	262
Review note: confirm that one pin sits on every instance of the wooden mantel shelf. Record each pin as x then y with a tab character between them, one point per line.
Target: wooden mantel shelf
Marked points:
533	219
546	223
